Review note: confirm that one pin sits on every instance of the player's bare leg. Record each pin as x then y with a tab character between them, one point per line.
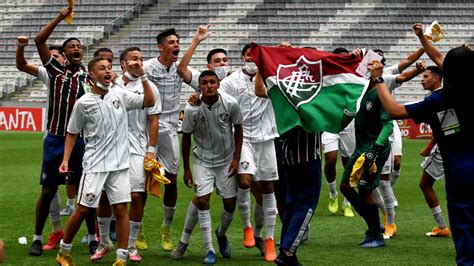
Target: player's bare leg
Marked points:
169	204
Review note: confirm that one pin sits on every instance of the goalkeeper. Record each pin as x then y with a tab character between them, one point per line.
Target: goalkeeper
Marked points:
373	126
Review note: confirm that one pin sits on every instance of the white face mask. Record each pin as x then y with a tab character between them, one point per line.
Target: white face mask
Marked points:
129	76
221	71
99	84
250	67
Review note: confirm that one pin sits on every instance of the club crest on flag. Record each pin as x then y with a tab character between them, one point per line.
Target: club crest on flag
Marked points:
300	82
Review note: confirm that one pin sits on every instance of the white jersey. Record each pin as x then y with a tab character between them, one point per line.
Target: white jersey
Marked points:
104	123
391	70
168	82
259	118
43	75
138	119
212	129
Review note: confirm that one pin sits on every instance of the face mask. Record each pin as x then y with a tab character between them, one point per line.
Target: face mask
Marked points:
99	84
129	76
250	67
221	71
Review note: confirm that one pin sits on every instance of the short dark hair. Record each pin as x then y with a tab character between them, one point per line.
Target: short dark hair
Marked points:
213	52
56	47
160	38
125	51
102	50
68	40
246	47
93	62
340	50
379	51
206	73
436	71
383	55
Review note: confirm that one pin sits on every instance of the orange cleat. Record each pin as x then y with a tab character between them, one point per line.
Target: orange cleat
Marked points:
270	253
249	240
438	232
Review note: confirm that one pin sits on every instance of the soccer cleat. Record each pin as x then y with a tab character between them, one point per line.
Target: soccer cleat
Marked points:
119	262
285	260
347	210
373	242
65	259
93	245
67	211
140	243
333	204
210	258
390	231
178	253
224	247
260	244
53	240
249	241
36	248
133	255
438	232
166	243
102	250
270	253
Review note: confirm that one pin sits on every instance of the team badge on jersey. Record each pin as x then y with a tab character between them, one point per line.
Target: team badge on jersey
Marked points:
224	117
90	197
300	82
116	104
368	105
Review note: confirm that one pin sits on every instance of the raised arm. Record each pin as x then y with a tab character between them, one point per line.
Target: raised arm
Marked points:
410	59
21	63
136	68
434	54
45	32
260	89
201	34
410	74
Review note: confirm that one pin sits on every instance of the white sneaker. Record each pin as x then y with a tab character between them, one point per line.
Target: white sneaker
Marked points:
68	211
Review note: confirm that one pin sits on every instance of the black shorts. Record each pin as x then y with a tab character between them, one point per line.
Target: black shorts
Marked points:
53	151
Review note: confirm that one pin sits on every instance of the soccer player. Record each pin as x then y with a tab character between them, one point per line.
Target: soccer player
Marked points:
67	83
258	158
449	113
42	74
373	126
101	116
217	132
163	72
343	143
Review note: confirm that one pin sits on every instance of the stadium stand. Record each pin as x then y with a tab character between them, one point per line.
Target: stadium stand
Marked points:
321	24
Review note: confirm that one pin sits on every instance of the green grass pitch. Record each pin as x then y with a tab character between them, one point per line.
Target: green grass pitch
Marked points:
333	239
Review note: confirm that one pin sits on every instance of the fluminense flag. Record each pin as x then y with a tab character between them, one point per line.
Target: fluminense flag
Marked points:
316	90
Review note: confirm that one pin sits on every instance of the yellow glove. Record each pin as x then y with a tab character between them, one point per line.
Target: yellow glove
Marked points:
157	170
358	170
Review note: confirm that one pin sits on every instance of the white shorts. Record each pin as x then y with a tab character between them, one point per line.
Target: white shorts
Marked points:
344	143
115	183
259	160
388	166
205	178
396	140
433	164
137	173
167	150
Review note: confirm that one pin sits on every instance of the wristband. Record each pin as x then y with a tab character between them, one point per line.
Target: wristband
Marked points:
151	149
143	78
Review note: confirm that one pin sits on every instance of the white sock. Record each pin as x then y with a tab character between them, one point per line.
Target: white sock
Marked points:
71	203
205	225
243	203
269	212
189	223
346	202
168	213
438	216
332	189
63	247
122	254
259	219
104	229
54	215
388	199
38	237
379	200
394	177
134	229
226	219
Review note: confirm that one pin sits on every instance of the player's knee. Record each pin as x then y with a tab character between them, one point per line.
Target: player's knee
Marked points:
204	202
120	211
244	181
397	162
